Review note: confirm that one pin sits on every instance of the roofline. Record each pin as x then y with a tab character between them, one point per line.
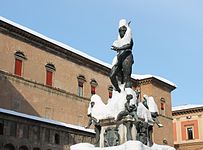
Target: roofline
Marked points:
187	111
158	78
154	80
169	86
44	120
56	47
60	44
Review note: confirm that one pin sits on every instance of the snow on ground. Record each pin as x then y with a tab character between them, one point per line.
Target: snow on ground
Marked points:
130	145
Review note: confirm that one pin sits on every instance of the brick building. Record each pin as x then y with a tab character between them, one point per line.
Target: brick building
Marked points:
36	133
45	78
188	127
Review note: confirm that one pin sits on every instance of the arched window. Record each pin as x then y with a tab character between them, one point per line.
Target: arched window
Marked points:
19	58
23	148
9	147
81	80
50	68
93	84
56	138
110	90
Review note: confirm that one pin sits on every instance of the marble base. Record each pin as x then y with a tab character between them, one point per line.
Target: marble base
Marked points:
114	133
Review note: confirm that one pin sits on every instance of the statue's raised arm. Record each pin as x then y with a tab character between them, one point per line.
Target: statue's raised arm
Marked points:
122	69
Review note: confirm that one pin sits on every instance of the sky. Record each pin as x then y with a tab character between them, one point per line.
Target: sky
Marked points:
167	34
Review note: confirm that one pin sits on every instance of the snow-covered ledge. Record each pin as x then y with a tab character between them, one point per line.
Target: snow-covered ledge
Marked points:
130	145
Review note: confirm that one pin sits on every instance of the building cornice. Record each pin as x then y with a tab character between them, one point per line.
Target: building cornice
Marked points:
145	81
156	82
34	84
162	84
195	143
187	111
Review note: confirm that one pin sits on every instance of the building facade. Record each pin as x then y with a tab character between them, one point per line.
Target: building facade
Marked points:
188	127
45	78
27	132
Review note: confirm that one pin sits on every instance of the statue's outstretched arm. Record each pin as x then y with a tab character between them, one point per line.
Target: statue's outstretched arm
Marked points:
126	46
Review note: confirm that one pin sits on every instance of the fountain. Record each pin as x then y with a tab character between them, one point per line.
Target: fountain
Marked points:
124	123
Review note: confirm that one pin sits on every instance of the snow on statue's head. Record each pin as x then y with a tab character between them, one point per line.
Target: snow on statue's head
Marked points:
96	107
151	103
123	22
126	39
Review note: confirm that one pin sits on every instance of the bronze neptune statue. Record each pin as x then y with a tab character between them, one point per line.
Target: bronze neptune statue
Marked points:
122	68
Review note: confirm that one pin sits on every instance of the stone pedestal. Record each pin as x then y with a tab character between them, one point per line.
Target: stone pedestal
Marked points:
115	133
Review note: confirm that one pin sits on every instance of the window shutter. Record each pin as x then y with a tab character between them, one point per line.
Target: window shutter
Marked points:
49	78
93	89
18	67
110	94
162	106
